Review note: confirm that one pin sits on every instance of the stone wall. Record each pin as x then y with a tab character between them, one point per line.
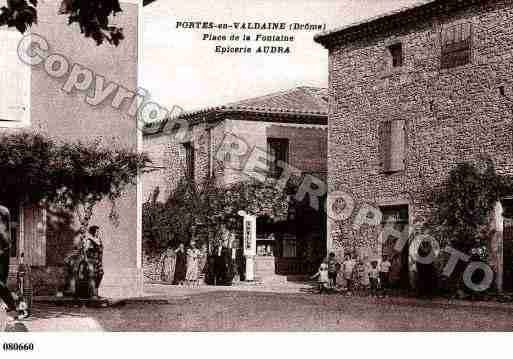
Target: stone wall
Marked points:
158	148
168	153
451	115
69	117
307	151
307	144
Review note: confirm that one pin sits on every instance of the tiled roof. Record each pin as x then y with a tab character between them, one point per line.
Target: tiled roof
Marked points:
308	104
423	7
301	100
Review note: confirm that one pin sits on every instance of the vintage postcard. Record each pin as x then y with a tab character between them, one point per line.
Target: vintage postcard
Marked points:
255	166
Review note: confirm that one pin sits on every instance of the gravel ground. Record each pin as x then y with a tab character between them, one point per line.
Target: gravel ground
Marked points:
254	310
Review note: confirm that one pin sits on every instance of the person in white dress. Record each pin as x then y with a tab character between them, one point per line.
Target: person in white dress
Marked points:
193	259
167	265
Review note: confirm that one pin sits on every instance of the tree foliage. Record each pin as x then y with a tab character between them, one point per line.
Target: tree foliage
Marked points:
464	203
20	14
202	210
93	18
91	15
37	170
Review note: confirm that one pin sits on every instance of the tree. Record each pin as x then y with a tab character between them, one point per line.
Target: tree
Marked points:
464	202
461	214
202	210
72	177
91	15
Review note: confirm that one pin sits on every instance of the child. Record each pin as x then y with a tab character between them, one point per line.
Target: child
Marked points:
373	278
322	277
363	277
333	268
347	268
384	270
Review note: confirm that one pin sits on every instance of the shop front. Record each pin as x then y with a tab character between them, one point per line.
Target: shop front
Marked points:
284	248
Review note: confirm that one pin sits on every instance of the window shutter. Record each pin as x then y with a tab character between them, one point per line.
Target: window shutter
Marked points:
14	79
34	224
456	45
385	130
398	141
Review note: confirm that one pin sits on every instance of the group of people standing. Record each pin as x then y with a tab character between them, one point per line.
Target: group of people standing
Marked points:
183	266
223	264
354	275
189	266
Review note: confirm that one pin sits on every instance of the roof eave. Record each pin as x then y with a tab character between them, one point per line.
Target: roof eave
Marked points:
307	117
213	114
378	25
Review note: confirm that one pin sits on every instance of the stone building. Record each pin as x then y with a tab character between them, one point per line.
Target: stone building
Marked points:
35	99
413	92
288	126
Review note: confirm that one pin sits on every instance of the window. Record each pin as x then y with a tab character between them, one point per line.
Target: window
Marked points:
278	150
396	52
189	160
456	45
14	82
392	145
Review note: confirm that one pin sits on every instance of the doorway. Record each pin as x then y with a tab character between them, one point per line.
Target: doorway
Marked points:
397	217
507	247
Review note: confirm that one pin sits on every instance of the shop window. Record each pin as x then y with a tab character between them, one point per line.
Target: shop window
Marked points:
289	248
265	237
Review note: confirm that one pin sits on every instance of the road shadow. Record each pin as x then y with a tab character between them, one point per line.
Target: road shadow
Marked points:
16	327
258	310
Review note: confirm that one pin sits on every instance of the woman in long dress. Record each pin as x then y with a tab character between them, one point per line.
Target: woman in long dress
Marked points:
193	259
168	263
180	266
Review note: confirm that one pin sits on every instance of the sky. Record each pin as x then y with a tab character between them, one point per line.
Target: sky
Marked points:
178	68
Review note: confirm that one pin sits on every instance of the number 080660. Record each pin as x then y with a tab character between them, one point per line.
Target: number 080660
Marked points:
18	346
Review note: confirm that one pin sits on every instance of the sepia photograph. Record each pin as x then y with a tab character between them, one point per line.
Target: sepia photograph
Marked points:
327	166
